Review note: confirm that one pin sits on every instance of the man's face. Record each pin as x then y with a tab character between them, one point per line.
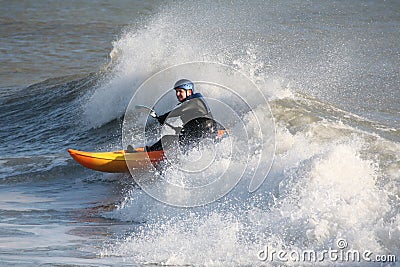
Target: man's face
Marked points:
182	94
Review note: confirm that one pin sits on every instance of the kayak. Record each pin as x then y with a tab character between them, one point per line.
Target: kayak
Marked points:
116	161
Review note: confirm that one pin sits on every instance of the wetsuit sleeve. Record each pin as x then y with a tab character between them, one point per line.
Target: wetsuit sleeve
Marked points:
161	119
173	113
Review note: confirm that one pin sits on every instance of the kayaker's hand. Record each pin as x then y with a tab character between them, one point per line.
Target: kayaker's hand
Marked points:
153	114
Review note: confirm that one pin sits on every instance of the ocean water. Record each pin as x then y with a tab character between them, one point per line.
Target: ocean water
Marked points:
329	73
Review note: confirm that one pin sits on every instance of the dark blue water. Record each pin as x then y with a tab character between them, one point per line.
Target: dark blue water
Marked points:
329	71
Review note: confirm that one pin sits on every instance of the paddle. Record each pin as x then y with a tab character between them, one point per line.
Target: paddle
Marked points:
153	114
144	108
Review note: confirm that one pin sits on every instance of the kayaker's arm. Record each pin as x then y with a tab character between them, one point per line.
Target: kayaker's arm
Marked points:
161	119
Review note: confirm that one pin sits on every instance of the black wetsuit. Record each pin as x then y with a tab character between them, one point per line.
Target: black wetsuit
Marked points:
196	118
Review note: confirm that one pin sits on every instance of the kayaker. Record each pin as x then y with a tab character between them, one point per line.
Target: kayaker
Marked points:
193	111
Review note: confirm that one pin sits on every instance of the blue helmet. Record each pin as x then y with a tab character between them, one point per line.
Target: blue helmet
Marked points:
184	84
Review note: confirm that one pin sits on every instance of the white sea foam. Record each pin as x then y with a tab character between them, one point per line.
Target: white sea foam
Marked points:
164	42
318	191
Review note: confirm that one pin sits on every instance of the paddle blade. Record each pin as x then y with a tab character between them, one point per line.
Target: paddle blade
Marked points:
146	109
